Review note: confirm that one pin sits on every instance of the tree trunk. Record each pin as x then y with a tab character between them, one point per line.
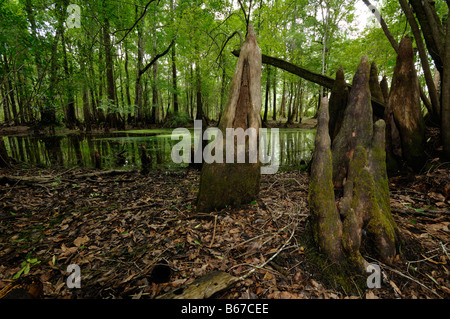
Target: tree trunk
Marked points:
364	207
356	126
433	39
198	88
445	96
71	120
87	108
436	109
404	101
274	87
234	183
174	66
4	159
325	221
111	117
266	103
139	113
283	100
10	91
337	104
174	81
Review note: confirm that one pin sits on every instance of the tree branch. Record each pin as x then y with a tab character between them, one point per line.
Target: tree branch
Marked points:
323	80
135	23
160	55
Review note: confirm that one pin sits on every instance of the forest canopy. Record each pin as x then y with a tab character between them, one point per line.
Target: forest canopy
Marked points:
116	63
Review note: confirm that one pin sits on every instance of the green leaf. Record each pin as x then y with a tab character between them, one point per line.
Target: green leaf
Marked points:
17	275
197	242
26	269
253	202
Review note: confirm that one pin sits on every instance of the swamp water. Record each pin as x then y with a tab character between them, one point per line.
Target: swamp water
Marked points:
120	150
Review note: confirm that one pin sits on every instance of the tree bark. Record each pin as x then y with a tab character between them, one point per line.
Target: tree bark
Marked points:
364	207
404	100
111	117
266	103
445	96
283	100
174	66
139	113
395	46
4	159
434	41
274	88
71	120
234	183
423	58
325	221
337	104
356	126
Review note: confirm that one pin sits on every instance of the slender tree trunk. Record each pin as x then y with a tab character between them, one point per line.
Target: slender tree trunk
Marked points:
274	87
6	112
283	101
10	91
266	103
174	81
112	120
71	119
222	88
445	96
4	159
139	113
191	88
423	57
198	87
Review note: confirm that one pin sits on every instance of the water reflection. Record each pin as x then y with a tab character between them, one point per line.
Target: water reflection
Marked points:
121	150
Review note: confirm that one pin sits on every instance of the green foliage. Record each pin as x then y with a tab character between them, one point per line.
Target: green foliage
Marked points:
26	265
51	62
177	120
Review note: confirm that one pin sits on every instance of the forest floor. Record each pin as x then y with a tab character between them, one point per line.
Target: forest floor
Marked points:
138	236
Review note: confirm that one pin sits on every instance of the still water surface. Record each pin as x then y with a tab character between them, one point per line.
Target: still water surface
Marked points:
121	149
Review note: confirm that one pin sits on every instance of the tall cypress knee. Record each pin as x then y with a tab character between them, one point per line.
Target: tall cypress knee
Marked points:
356	162
404	101
236	183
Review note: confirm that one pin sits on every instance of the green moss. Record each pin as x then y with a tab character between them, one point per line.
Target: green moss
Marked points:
337	276
227	184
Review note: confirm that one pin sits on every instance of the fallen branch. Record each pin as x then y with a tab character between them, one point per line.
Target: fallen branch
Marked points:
103	173
29	180
203	287
323	80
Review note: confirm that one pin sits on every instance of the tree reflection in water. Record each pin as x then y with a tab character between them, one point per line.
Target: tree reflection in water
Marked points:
121	150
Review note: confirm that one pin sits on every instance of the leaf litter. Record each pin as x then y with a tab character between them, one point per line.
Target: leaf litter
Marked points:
138	236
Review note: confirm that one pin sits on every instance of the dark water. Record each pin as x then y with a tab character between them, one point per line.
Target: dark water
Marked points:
121	149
